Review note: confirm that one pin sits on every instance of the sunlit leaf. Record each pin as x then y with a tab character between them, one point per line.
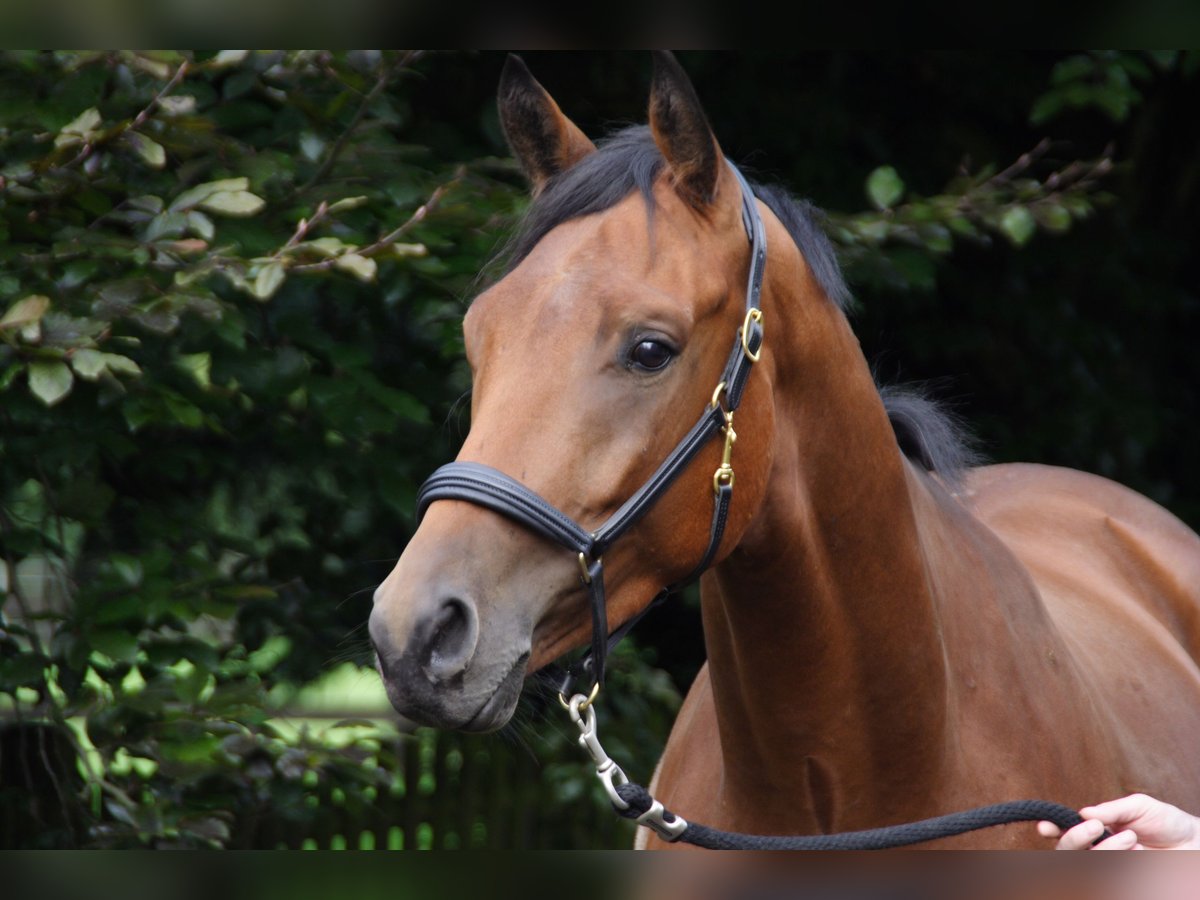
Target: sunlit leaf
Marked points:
50	380
233	203
178	104
269	278
311	147
361	267
348	203
1018	225
149	150
884	187
228	58
326	246
199	366
117	363
200	225
88	364
25	311
192	196
79	129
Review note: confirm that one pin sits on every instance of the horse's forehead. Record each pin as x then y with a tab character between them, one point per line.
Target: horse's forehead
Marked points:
606	264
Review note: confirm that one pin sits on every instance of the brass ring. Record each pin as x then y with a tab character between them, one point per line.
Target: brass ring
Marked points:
591	697
723	477
752	314
716	395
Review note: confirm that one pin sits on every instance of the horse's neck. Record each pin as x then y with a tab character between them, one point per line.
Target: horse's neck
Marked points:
822	633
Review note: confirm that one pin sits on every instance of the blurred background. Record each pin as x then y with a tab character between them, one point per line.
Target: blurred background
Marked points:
231	285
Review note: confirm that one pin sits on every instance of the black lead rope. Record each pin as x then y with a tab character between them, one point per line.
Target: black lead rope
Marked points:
640	802
632	801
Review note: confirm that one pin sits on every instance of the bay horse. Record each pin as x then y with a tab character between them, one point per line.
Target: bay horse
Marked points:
891	633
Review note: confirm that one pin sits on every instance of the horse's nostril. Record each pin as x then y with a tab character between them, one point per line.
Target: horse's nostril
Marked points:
384	653
452	639
382	660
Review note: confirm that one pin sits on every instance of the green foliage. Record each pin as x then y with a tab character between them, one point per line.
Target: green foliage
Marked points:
898	246
229	291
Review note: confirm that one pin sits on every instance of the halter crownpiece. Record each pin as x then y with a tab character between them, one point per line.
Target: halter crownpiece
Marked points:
484	486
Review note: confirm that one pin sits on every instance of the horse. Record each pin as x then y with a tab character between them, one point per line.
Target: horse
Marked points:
892	631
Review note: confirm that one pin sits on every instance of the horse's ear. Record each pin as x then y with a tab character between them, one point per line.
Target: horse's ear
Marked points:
544	141
681	131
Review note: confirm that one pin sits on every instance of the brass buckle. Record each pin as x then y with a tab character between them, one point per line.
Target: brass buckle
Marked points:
583	568
753	314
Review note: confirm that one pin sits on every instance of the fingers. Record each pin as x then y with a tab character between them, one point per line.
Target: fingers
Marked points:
1081	836
1121	811
1049	830
1124	840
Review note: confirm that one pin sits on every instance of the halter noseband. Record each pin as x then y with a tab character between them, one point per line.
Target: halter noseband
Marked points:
487	487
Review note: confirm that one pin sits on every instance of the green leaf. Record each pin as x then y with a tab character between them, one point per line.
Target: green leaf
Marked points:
347	203
233	203
129	569
122	608
199	366
228	58
1046	108
186	414
25	311
79	129
23	669
116	643
50	380
361	267
1053	217
88	364
200	225
269	278
192	196
326	246
403	250
311	146
118	363
178	105
149	150
1018	225
885	187
7	377
165	225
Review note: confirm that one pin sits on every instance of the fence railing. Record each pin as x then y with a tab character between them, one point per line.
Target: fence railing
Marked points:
452	791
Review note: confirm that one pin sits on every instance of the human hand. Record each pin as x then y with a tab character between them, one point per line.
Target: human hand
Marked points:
1138	822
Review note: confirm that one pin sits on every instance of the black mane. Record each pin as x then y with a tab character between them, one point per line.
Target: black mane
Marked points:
629	160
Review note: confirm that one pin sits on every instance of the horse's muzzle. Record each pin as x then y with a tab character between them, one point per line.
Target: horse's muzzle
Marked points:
435	678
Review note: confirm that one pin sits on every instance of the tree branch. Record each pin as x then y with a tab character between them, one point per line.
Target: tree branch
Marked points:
418	216
339	145
136	122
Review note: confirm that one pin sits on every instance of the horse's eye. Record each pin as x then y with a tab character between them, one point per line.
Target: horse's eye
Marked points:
651	355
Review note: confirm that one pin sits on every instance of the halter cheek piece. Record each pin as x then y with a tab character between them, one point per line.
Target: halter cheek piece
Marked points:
487	487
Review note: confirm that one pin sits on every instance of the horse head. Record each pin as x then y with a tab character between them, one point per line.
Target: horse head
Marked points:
591	358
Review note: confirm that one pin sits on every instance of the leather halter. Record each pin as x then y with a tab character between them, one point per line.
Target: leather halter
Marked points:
487	487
